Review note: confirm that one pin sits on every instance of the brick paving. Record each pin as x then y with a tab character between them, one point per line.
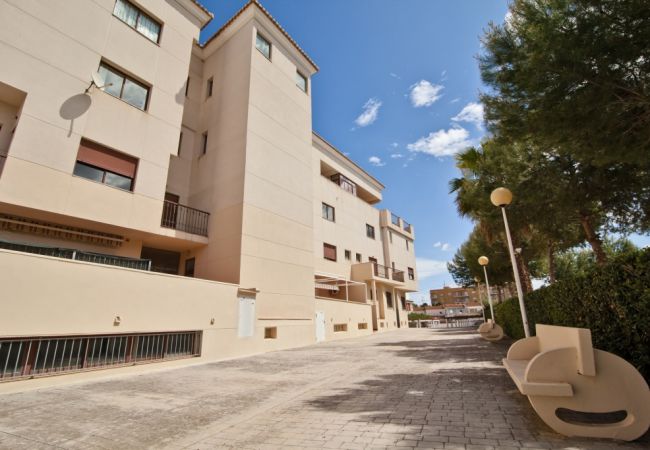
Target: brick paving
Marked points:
413	388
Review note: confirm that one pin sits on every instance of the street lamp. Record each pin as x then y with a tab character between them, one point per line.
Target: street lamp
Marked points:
478	286
502	197
483	261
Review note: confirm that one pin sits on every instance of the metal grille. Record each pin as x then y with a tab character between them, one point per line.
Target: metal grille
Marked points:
183	218
31	357
398	275
380	271
68	253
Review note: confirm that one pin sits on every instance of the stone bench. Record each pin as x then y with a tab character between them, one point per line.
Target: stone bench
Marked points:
490	331
563	375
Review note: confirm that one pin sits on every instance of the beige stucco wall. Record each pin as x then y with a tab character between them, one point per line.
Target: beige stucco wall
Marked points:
53	64
341	312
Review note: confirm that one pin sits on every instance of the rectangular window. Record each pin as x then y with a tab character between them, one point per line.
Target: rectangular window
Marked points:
358	257
362	326
389	299
348	255
180	142
412	276
340	327
370	231
345	183
263	46
204	143
187	86
104	165
121	86
270	332
329	252
403	301
328	212
301	81
390	236
189	267
407	244
134	17
372	296
209	87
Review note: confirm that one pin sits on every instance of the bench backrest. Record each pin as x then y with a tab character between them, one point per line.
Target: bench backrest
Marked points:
553	337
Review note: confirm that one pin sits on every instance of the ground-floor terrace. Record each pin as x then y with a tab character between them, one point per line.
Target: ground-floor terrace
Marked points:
411	388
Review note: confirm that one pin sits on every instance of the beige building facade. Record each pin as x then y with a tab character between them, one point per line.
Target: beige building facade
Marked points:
176	206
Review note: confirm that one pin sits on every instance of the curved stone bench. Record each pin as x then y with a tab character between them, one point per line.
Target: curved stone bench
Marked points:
559	371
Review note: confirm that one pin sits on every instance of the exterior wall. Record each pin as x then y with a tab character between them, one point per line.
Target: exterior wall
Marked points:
340	312
52	64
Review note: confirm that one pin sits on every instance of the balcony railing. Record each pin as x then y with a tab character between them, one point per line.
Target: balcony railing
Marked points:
398	275
183	218
78	255
381	271
394	219
406	226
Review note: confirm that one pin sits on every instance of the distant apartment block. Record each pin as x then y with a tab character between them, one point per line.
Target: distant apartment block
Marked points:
180	208
473	294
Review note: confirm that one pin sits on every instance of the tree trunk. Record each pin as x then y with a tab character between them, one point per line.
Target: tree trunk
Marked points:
594	240
551	262
524	274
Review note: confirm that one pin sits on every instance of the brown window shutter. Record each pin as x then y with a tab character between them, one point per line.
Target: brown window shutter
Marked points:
329	252
104	158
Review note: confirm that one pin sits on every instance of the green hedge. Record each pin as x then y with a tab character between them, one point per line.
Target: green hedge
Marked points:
613	301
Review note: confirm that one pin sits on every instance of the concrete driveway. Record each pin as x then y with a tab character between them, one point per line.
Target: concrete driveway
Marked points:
412	388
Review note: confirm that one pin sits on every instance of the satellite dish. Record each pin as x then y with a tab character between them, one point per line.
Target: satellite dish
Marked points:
98	81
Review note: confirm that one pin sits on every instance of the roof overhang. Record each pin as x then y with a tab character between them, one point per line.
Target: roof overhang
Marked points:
197	10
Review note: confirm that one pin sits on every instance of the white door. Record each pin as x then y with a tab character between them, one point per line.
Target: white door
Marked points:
246	316
320	326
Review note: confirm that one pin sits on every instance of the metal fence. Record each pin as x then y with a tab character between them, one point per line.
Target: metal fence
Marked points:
398	275
380	271
31	357
78	255
183	218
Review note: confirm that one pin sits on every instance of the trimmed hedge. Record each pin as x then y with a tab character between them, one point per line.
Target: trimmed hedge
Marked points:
613	301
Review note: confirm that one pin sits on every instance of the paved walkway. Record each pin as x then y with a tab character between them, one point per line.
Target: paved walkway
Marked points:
414	388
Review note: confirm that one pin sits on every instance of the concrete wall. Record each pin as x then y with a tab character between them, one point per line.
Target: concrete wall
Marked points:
341	312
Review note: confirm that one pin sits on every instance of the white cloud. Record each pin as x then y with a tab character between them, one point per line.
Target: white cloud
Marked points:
437	244
442	142
376	161
445	247
396	155
472	113
394	145
369	114
430	267
394	75
423	93
456	100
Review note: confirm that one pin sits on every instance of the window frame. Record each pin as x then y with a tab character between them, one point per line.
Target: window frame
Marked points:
104	173
209	87
411	273
204	143
305	79
359	257
331	247
370	231
259	35
389	299
325	207
141	12
111	68
348	255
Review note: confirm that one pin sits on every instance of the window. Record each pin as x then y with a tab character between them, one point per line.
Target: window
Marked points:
344	183
358	257
372	292
403	301
270	332
204	143
338	327
411	273
328	212
389	299
189	267
362	326
187	86
301	81
390	236
329	252
209	87
370	231
98	163
407	244
134	17
348	255
263	46
121	86
180	142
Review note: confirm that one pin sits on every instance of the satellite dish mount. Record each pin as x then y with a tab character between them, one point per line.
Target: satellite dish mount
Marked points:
98	81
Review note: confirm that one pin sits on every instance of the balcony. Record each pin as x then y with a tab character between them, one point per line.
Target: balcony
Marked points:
396	223
370	271
183	218
398	275
381	271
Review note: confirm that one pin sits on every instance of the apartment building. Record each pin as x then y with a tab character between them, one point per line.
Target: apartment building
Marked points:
165	201
473	294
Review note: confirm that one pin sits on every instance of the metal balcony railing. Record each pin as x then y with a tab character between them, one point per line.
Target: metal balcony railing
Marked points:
394	219
406	226
183	218
398	275
78	255
380	271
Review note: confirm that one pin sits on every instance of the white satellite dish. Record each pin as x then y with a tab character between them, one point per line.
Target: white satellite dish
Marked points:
98	81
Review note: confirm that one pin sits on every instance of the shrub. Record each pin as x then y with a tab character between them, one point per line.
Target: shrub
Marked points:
613	301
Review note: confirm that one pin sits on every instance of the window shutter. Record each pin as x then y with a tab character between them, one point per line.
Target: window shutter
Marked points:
107	159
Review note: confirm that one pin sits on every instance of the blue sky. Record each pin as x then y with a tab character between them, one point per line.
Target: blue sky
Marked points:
396	90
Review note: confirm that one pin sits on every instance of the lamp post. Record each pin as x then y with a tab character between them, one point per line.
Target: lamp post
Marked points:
483	261
478	286
502	197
